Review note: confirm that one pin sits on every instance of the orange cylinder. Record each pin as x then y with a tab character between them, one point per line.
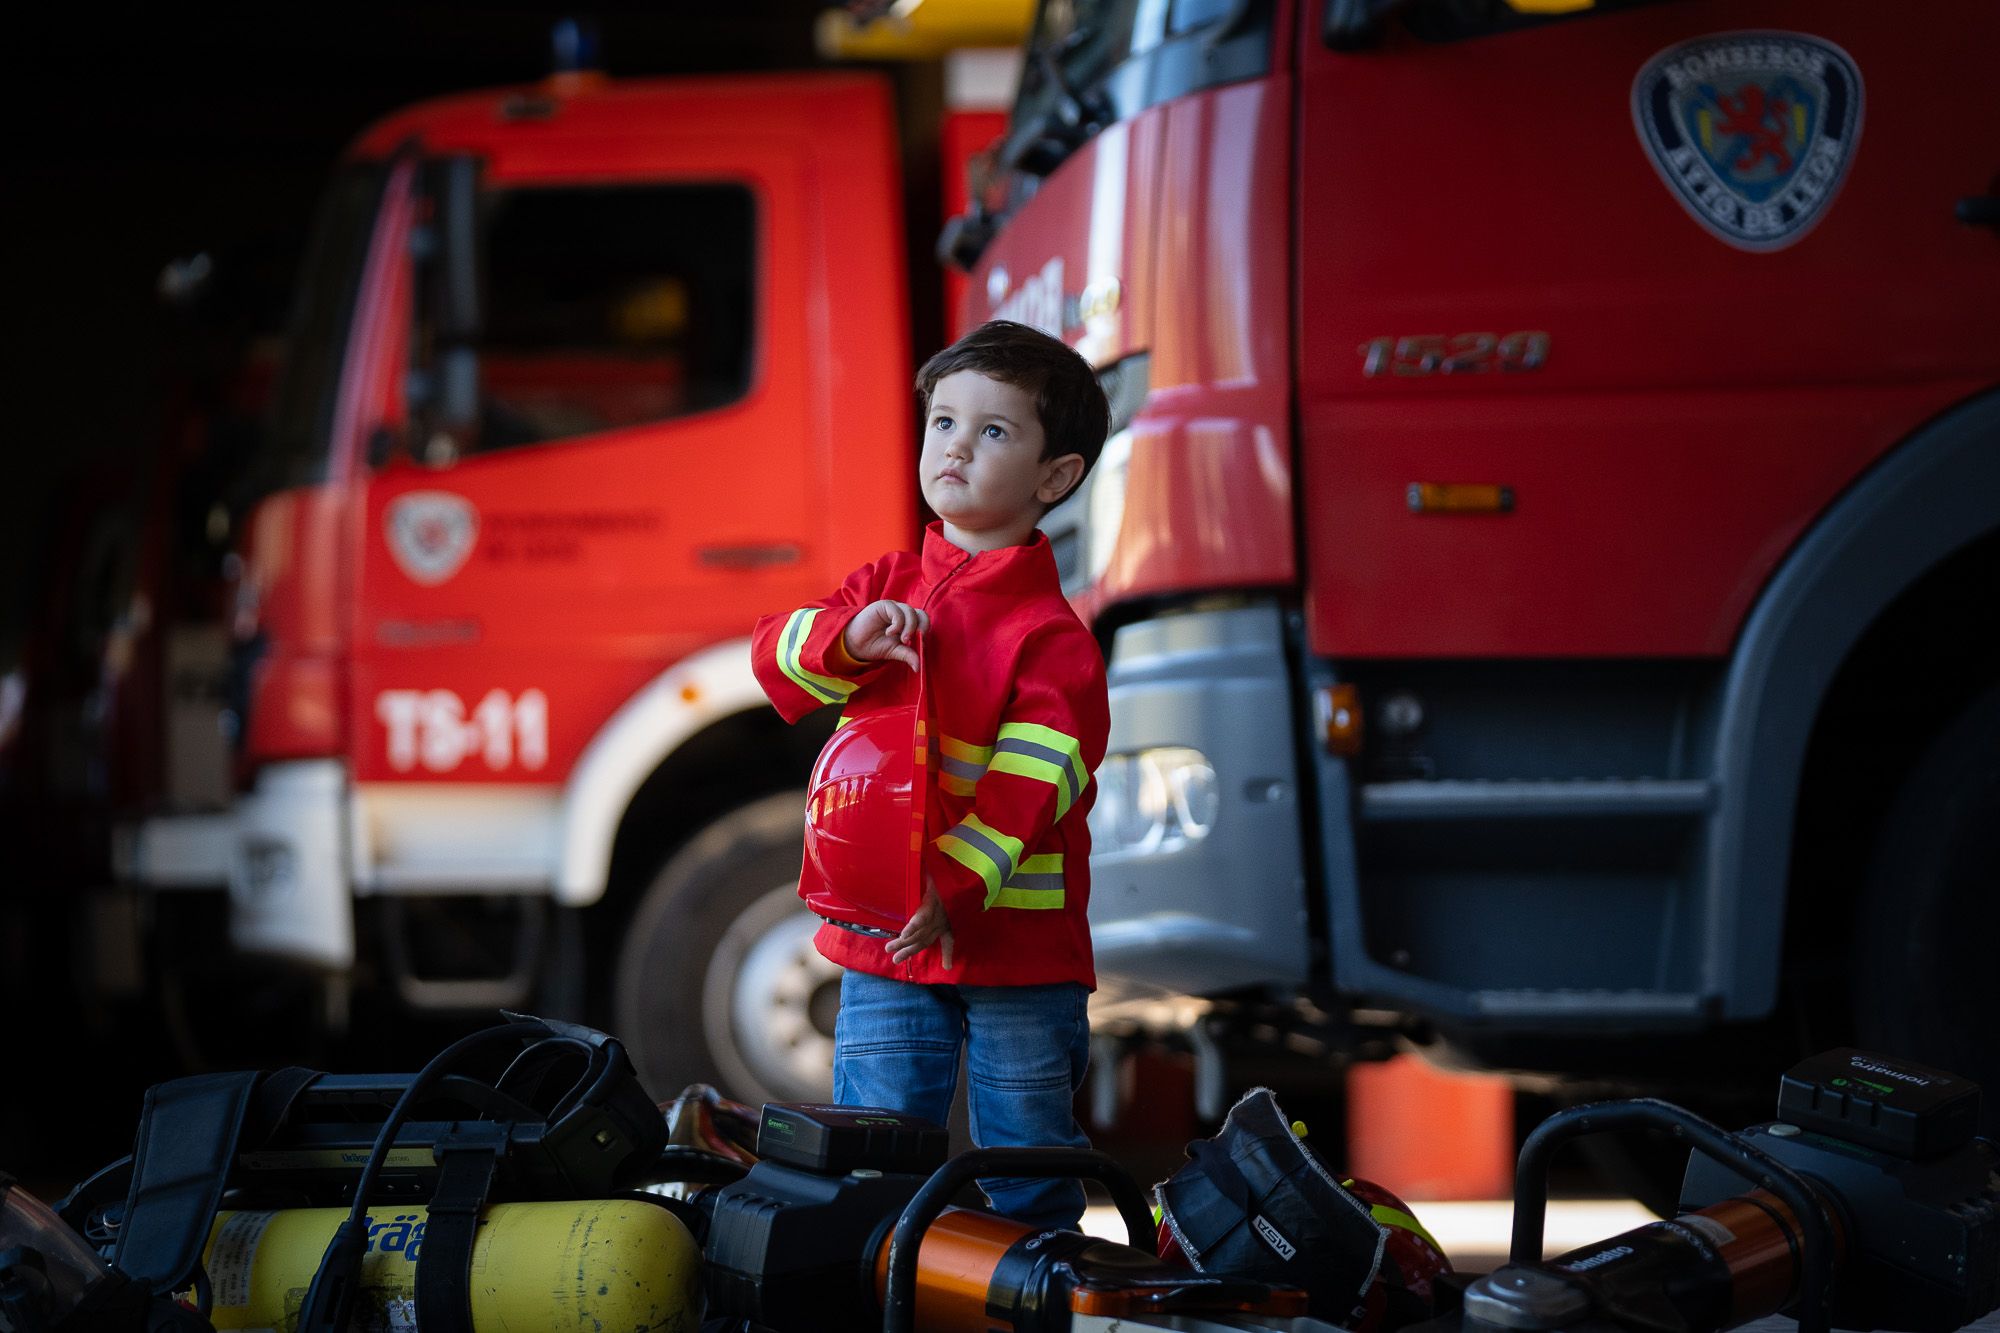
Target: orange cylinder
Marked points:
956	1261
1428	1134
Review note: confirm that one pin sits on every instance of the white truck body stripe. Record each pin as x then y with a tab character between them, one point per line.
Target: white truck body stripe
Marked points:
683	700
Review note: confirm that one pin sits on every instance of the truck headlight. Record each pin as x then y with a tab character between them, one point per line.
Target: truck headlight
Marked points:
1154	800
1107	503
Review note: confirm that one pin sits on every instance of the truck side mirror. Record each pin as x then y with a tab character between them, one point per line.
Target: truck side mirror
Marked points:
446	395
965	238
455	196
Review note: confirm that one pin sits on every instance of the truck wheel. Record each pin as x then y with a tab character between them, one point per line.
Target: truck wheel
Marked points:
1926	985
717	980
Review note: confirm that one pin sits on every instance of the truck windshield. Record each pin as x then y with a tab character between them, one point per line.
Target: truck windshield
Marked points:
1075	43
1082	39
1095	62
298	434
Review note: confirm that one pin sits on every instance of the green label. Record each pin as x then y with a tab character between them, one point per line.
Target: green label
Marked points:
1883	1088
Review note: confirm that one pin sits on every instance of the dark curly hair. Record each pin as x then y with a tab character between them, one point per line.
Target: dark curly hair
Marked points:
1068	401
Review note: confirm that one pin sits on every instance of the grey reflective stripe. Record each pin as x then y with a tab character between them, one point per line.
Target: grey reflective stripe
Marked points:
988	848
960	768
791	661
1024	881
1048	755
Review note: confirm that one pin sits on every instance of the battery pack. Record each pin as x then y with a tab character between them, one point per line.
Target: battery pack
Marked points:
1889	1104
834	1140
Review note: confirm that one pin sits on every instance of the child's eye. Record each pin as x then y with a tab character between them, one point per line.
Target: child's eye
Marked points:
941	423
995	432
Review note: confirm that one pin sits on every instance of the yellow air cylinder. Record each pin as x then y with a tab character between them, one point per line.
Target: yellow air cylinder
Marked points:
592	1264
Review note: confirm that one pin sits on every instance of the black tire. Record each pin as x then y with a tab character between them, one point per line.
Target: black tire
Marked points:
717	980
1927	941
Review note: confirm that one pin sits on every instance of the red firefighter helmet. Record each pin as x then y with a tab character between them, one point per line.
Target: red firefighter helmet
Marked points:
1402	1292
861	812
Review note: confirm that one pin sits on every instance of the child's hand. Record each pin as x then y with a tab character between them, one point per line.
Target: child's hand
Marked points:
884	630
927	925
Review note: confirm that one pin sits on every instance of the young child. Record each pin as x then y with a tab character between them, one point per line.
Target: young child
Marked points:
997	957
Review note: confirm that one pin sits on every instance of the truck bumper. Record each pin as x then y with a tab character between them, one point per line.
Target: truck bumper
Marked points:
288	882
1197	874
281	853
296	851
175	852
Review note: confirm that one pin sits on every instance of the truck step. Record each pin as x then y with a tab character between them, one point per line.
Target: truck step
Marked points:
1490	798
1589	1004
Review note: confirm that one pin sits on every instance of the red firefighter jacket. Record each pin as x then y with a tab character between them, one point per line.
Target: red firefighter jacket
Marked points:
1017	720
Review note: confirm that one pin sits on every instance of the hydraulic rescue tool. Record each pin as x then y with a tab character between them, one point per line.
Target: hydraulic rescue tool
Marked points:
845	1225
1869	1203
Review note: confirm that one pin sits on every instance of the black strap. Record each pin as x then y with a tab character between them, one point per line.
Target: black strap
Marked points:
272	1102
189	1132
467	1161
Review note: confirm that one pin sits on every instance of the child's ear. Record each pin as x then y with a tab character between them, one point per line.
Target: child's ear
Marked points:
1059	475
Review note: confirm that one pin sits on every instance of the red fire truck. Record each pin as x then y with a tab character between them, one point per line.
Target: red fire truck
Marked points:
583	377
1540	559
1549	557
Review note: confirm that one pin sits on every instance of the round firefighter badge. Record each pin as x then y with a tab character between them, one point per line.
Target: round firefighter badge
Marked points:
430	533
1752	131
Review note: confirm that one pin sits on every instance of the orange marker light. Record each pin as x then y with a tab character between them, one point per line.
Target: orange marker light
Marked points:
1337	710
1439	497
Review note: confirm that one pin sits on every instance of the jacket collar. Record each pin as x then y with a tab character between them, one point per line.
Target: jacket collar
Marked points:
1025	568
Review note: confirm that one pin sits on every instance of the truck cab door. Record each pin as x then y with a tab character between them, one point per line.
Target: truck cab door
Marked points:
596	468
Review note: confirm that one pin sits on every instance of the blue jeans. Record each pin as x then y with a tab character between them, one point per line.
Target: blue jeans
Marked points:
895	1045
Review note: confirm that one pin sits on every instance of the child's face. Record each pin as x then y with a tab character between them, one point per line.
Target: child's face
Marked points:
982	468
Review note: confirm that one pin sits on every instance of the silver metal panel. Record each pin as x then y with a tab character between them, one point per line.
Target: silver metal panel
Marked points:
1228	910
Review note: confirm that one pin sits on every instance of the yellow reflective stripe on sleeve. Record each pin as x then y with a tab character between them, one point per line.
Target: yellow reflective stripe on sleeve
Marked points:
1045	754
1036	886
1031	736
1042	770
984	850
958	749
791	650
1041	735
972	859
960	765
1043	900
